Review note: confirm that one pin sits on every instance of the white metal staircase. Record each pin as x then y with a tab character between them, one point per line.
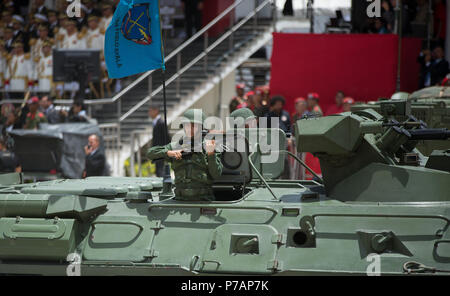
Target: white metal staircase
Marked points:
192	69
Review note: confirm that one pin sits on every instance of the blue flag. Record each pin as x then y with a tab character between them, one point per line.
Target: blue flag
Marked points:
133	39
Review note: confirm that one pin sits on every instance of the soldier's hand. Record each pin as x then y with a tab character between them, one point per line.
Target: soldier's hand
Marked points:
175	154
210	146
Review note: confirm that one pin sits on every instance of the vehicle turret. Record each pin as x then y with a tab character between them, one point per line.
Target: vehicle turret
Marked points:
362	153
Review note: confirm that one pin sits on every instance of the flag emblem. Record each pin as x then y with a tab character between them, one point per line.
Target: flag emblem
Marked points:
136	24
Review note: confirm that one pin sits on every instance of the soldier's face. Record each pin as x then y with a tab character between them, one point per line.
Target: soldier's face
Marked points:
43	34
46	50
191	129
93	24
70	28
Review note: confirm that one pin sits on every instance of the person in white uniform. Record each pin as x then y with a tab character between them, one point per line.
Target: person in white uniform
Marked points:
18	74
44	68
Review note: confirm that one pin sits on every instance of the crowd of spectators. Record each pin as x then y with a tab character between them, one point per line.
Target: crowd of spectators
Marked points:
415	17
258	103
434	68
39	110
30	116
262	104
29	30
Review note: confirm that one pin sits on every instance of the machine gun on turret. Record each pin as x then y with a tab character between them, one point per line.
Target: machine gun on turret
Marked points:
367	146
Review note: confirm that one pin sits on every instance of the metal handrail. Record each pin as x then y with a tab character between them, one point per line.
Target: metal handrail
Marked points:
201	55
178	49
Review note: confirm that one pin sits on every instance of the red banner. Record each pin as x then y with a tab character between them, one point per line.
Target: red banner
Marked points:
363	66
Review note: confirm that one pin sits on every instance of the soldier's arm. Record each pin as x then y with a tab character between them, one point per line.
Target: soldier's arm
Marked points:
215	165
158	152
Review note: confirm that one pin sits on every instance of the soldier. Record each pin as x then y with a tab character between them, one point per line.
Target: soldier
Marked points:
107	12
17	26
37	20
239	98
194	171
18	76
36	44
73	39
9	39
94	38
60	31
44	68
314	109
7	18
53	23
34	117
248	120
39	7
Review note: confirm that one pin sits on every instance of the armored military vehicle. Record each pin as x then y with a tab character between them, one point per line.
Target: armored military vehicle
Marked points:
381	208
431	105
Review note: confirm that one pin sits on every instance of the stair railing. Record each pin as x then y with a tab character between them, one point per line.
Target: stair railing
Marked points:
204	54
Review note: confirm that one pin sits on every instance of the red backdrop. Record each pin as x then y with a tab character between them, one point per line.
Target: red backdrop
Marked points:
363	66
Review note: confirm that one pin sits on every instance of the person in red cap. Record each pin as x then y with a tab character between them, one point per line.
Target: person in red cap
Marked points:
248	101
337	108
347	104
314	109
34	117
260	107
238	99
300	109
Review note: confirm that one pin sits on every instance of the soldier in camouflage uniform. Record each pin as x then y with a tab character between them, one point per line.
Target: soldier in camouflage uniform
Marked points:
194	171
249	118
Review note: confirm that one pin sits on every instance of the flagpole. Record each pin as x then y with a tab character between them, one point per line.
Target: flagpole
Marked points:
167	179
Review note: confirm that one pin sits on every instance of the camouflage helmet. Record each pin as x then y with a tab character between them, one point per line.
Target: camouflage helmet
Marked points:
244	113
194	116
400	96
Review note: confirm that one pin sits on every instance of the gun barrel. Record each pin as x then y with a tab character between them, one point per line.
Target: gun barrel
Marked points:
430	134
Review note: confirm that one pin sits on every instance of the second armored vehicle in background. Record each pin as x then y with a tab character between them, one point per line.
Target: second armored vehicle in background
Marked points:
430	105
